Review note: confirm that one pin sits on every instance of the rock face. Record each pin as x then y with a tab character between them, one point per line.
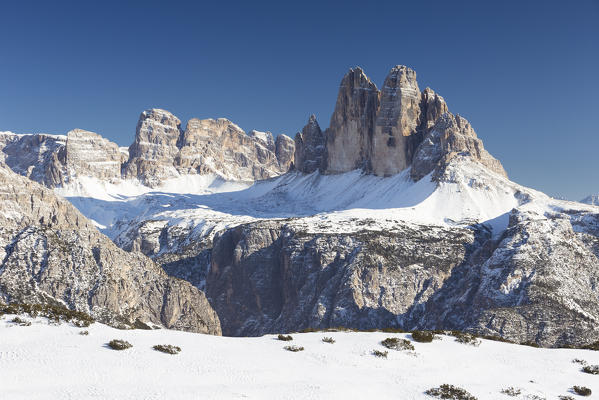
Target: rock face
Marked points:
221	147
350	134
89	154
268	277
386	132
451	135
397	120
52	254
161	150
310	145
152	154
285	151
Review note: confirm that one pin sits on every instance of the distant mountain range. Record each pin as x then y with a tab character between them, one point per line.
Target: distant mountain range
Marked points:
394	216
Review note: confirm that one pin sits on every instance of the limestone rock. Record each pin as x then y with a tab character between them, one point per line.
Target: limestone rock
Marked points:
265	138
397	120
50	253
310	146
350	134
152	154
89	154
219	146
285	152
39	157
451	135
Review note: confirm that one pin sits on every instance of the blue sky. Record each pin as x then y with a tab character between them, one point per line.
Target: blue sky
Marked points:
525	73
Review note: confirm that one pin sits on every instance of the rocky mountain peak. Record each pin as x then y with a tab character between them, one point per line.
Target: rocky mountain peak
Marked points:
349	137
310	146
388	131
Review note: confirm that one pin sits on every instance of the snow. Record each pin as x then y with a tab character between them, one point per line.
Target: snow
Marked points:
332	203
44	361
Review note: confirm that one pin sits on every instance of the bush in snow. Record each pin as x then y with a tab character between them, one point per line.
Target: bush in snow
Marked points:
117	344
592	346
294	349
20	322
55	313
285	338
328	339
582	391
591	369
423	336
84	333
511	391
397	344
465	338
381	354
565	397
579	361
167	348
446	391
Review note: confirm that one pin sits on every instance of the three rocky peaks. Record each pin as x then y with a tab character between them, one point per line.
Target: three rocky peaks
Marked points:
382	132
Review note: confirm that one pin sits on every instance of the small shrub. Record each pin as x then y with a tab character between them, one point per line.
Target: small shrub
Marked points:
117	344
511	391
446	391
84	333
20	321
328	339
397	344
294	349
465	338
380	354
285	338
582	391
167	348
81	323
591	369
562	397
423	336
579	361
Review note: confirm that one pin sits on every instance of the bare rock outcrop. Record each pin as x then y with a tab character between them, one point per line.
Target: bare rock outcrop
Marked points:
351	131
397	122
387	132
285	151
272	276
451	135
152	154
310	146
89	154
50	253
219	146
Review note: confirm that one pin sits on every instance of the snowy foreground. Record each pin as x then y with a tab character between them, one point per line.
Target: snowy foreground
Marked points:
45	361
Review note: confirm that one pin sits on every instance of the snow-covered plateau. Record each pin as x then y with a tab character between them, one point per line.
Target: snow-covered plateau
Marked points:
48	361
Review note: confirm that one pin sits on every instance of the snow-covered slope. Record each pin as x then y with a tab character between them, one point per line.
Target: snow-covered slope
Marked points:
45	361
467	194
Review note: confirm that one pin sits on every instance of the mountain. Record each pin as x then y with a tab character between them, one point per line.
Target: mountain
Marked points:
592	200
161	150
393	216
51	254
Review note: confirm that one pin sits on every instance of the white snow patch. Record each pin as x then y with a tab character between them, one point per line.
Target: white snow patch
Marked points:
44	361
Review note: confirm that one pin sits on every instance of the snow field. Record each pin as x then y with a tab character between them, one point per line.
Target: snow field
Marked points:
45	361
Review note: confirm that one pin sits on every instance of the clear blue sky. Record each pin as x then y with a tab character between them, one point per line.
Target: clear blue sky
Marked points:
525	73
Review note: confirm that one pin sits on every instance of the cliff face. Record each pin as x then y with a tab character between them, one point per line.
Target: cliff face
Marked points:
388	131
350	134
268	277
50	253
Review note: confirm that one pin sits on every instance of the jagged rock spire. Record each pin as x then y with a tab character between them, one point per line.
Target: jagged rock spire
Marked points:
310	145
